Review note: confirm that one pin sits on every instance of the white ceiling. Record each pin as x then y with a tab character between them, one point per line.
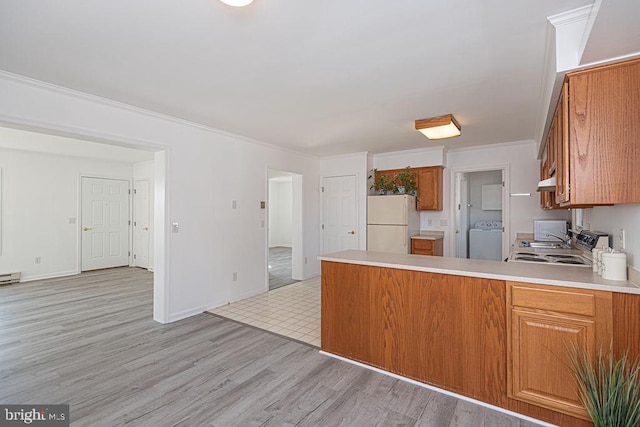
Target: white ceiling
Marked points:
325	77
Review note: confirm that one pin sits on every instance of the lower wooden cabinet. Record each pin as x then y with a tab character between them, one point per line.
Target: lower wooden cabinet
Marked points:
545	322
426	247
499	342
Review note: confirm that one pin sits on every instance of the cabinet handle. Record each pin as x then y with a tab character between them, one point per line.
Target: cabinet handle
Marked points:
86	228
351	232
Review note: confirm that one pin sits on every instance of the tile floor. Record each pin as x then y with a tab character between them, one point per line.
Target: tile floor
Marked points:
292	311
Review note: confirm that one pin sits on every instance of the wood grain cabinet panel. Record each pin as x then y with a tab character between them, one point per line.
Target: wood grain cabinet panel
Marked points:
427	247
430	189
604	106
592	144
345	310
545	321
476	337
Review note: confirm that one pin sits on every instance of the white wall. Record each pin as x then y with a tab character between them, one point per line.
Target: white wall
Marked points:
610	219
40	200
360	165
142	171
429	156
280	212
205	170
476	180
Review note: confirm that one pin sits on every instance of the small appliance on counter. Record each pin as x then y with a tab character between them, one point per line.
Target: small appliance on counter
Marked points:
549	230
587	240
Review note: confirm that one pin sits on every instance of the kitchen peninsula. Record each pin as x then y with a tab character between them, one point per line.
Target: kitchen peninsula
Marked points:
491	331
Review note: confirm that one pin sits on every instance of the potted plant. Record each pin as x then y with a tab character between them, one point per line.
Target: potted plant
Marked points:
609	388
406	181
382	183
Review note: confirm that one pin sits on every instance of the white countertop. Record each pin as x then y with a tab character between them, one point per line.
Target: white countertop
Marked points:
429	235
547	274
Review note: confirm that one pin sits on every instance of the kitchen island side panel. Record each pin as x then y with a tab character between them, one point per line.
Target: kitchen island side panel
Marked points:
445	330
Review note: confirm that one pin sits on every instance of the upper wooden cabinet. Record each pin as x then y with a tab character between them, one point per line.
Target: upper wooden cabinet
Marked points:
592	146
430	188
429	196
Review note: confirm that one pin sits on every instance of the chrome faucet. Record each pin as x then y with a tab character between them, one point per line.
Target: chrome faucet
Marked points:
566	239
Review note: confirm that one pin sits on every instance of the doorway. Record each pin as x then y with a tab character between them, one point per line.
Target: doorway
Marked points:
480	214
42	139
284	230
104	223
339	213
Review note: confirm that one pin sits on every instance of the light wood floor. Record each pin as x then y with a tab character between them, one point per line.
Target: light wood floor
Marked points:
280	267
90	341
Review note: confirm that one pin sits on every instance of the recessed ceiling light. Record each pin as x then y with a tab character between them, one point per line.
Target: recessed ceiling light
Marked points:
439	127
237	3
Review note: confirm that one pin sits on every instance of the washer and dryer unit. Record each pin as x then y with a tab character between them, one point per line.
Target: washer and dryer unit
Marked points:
485	240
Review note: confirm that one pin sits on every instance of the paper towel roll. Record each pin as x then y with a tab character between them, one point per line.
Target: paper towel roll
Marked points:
614	266
596	262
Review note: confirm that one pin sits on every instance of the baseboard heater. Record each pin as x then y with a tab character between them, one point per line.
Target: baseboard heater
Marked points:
7	279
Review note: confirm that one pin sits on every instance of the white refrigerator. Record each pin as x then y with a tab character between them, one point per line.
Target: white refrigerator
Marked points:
391	221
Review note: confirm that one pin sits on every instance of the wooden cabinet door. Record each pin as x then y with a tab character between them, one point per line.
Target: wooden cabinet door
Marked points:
545	321
604	106
540	363
426	247
562	148
430	189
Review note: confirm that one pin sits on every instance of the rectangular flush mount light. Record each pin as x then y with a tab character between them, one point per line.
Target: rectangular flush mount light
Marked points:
439	127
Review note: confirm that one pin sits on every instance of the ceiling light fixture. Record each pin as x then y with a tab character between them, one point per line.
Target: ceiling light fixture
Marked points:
439	127
237	3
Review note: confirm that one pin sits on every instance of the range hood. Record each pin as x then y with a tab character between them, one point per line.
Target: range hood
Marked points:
548	184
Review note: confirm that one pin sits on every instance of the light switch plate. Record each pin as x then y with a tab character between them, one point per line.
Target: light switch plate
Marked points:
175	227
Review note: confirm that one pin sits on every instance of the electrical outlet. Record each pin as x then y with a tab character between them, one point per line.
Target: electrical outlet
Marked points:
429	222
444	223
622	238
72	220
235	276
305	260
38	260
234	204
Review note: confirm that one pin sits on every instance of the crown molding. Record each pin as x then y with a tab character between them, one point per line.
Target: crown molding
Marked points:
490	146
6	75
441	148
572	16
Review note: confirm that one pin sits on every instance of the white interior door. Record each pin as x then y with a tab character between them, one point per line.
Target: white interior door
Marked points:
339	216
141	223
105	223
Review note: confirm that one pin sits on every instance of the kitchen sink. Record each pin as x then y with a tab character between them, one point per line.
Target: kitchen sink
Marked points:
548	245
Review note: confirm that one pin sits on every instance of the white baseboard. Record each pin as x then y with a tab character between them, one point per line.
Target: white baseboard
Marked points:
439	390
311	275
48	276
174	317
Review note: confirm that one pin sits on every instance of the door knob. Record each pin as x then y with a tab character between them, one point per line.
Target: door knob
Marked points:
351	232
145	228
86	228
